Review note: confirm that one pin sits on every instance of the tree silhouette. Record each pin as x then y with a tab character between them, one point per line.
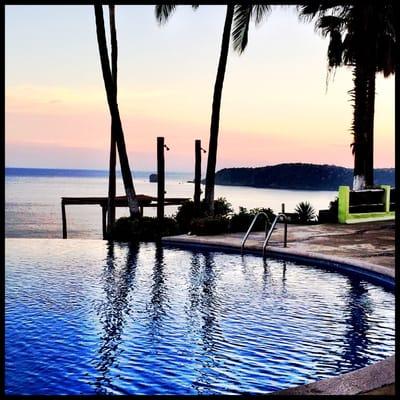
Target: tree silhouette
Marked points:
363	36
114	111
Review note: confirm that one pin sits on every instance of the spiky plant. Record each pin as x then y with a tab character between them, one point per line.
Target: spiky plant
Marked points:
305	212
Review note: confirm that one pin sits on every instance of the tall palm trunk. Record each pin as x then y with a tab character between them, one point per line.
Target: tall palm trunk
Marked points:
361	83
359	126
216	106
369	167
114	111
371	37
111	176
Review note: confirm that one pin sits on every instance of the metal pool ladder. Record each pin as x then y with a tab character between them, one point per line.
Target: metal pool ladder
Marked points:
280	216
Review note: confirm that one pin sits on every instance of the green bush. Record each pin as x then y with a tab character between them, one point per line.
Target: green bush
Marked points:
305	212
334	206
126	229
222	208
330	215
241	221
187	212
209	225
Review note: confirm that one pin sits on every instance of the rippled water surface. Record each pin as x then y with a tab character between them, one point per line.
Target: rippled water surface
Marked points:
83	316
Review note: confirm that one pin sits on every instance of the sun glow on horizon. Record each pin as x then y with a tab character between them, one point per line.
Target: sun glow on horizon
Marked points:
275	107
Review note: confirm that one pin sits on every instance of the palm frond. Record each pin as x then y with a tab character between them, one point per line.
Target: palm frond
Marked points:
329	23
308	11
335	49
260	11
163	12
241	20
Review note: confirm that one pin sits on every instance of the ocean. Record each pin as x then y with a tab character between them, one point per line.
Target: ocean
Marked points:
33	199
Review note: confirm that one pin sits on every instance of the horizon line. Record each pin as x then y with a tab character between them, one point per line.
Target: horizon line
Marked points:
181	171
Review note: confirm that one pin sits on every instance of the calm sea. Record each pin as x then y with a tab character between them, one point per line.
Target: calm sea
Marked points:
33	199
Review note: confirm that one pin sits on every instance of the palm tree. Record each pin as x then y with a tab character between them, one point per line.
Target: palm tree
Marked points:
111	176
215	113
238	16
162	14
114	111
361	36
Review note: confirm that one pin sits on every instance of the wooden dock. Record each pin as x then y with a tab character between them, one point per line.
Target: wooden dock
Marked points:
120	201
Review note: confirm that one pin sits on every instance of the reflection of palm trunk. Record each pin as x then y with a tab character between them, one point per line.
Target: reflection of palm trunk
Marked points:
210	331
111	313
216	106
194	296
114	111
158	290
357	325
209	303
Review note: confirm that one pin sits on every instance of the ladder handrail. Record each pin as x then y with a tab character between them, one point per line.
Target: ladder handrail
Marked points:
280	215
251	226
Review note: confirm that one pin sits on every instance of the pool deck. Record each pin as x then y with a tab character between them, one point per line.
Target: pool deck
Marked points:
368	245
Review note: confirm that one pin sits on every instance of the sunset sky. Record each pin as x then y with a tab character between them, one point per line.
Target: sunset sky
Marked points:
275	106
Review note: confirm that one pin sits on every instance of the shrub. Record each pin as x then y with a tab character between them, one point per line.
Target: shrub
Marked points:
122	229
305	212
209	225
334	206
241	221
187	212
222	207
126	229
330	215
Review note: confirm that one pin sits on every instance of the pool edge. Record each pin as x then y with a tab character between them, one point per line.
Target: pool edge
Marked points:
361	381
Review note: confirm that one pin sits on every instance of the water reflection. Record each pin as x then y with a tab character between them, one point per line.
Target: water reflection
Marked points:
204	314
356	341
158	294
267	280
193	289
117	284
284	289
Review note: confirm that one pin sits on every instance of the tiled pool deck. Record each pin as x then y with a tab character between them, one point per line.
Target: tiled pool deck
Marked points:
369	246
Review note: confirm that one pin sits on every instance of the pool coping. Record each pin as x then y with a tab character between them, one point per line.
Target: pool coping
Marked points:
361	381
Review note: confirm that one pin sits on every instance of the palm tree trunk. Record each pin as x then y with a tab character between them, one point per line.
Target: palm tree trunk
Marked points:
114	111
111	176
216	106
360	147
369	173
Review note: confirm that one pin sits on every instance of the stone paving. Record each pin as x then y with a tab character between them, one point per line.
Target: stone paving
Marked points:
372	242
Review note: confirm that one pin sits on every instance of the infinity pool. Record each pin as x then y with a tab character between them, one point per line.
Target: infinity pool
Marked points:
87	317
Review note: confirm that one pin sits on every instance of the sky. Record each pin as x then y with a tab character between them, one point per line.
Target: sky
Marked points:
276	105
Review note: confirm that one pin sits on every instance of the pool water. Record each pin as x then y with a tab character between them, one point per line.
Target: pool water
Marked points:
89	317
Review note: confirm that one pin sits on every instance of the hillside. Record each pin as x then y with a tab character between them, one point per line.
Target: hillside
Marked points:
297	176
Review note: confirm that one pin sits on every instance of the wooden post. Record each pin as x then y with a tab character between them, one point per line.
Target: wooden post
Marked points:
64	220
160	179
197	173
284	227
104	220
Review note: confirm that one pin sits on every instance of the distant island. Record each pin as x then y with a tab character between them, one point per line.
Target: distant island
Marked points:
297	176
